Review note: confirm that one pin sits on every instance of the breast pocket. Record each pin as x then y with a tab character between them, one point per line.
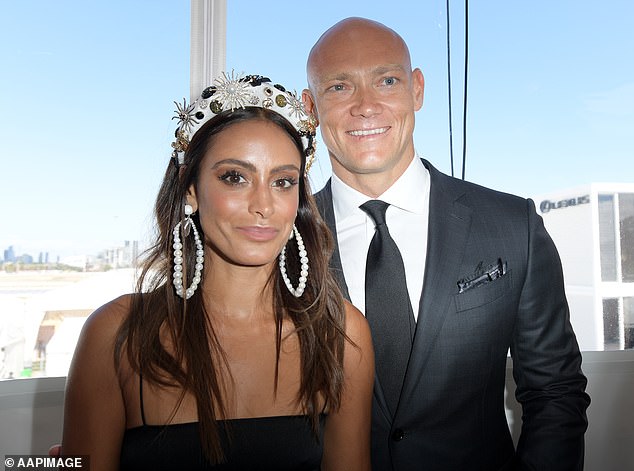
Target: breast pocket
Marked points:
484	294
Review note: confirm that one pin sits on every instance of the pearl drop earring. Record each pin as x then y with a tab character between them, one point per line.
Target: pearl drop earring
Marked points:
177	280
303	257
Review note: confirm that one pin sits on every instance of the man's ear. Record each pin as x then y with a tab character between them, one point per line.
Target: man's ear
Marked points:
418	88
309	104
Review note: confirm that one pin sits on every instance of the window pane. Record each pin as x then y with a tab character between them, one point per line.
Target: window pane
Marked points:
607	237
628	321
533	127
626	216
611	328
88	92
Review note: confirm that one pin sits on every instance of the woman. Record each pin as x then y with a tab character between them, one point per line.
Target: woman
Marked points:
237	351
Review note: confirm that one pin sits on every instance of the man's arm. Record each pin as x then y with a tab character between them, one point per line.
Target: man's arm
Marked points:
547	363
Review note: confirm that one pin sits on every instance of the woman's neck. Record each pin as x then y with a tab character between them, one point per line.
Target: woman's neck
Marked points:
237	292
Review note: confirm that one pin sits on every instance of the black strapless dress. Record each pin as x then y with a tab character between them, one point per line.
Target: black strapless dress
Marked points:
264	443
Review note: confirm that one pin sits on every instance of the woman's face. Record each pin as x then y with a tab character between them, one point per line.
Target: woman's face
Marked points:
247	192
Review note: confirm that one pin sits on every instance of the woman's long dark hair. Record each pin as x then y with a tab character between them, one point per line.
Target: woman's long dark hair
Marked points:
197	361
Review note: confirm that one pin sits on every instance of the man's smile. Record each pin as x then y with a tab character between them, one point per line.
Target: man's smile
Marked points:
368	132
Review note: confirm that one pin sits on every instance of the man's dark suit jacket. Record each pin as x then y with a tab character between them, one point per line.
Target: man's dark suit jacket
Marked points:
451	412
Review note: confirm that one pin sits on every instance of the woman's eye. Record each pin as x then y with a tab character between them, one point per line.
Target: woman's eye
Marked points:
232	177
285	183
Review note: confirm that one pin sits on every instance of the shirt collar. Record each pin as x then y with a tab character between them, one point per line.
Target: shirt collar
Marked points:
410	192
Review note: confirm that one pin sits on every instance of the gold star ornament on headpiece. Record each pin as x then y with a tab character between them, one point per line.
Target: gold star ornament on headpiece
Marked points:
231	92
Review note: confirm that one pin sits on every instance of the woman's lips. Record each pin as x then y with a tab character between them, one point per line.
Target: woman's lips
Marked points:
259	233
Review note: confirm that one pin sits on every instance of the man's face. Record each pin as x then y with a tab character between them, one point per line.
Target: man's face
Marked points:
364	94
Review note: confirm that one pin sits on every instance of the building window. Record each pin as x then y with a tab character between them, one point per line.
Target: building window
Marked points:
616	234
607	238
611	324
626	219
628	322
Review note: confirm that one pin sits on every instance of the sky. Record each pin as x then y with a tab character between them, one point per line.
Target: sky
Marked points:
87	91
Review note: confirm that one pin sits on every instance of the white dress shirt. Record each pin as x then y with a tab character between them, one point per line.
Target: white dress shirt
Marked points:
407	219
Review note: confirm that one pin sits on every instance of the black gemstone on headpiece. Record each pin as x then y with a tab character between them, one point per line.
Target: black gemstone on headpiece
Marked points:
256	80
207	92
279	87
200	115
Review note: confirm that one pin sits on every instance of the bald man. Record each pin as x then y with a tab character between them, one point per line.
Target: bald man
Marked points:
482	277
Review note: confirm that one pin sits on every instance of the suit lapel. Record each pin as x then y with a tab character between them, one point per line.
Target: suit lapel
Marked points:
449	223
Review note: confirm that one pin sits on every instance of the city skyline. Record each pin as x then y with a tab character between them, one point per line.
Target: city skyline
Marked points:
123	255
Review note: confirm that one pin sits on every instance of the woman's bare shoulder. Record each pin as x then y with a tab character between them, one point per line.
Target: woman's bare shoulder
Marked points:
106	320
357	327
354	318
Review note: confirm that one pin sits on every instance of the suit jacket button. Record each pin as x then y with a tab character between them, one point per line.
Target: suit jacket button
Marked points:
398	435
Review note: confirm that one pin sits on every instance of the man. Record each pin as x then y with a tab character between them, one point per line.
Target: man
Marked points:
482	277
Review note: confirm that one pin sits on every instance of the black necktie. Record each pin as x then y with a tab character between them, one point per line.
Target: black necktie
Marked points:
387	306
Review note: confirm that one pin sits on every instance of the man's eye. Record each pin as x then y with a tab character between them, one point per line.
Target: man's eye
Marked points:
232	177
337	88
390	81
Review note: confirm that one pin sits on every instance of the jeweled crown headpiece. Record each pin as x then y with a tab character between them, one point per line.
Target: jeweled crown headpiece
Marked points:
230	92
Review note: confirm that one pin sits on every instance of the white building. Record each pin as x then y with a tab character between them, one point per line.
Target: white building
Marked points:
593	229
